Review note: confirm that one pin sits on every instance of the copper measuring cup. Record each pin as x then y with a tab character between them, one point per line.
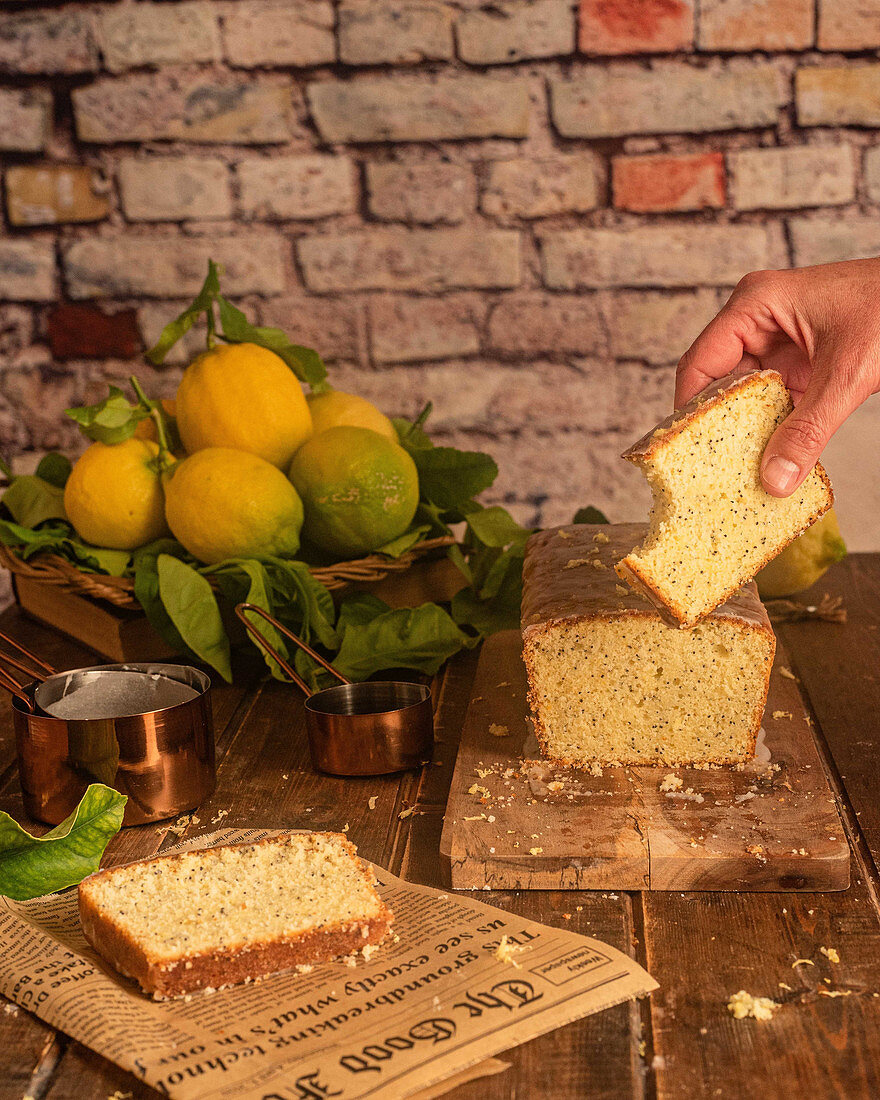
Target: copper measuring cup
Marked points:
162	759
356	729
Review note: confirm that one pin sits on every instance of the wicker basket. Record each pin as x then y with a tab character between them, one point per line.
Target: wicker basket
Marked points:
54	570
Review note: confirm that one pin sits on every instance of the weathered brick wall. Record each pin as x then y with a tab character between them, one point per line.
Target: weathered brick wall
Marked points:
523	210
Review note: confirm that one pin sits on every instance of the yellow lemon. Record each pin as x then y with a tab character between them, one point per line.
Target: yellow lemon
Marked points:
113	496
246	397
222	503
359	490
803	561
333	409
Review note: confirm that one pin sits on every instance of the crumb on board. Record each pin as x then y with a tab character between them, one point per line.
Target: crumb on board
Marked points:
802	962
671	782
476	788
406	812
596	564
573	563
535	851
498	730
830	954
219	817
743	1006
506	950
757	850
555	785
782	714
371	801
600	536
563	534
788	674
476	817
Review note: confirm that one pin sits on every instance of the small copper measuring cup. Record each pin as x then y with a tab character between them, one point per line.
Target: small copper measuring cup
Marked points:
162	759
371	728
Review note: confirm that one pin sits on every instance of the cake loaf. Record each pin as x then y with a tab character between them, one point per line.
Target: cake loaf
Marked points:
611	682
712	523
217	916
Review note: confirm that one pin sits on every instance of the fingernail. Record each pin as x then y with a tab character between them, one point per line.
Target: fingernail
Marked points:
780	474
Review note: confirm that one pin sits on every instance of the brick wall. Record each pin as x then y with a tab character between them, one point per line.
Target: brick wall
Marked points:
523	210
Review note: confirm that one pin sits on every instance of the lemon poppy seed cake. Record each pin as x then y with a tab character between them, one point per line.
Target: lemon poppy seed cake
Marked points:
713	526
217	916
611	682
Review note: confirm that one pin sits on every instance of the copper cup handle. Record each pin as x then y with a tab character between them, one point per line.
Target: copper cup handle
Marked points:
8	680
241	611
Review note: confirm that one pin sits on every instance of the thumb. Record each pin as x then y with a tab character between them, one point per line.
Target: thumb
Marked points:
795	446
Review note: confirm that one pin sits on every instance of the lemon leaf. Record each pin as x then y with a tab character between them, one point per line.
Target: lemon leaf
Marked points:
32	866
112	420
180	326
192	607
305	363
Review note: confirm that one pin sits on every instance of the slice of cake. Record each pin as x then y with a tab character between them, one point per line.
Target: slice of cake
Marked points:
217	916
712	524
610	682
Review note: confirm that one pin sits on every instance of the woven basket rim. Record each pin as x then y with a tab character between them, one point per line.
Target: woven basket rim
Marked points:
52	569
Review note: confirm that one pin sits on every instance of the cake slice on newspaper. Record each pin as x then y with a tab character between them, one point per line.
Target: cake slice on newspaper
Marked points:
712	524
611	682
217	916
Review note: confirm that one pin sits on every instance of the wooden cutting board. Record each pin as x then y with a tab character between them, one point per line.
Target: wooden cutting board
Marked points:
514	825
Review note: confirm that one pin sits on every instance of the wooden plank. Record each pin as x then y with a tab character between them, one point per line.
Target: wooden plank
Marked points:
825	1039
839	666
754	829
596	1057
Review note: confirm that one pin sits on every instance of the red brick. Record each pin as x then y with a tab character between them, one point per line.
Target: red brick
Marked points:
86	332
636	26
661	182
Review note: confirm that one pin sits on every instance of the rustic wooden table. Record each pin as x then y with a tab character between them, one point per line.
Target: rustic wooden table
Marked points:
701	947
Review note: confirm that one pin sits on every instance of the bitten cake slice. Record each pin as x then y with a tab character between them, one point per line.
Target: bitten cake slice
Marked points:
712	524
217	916
610	682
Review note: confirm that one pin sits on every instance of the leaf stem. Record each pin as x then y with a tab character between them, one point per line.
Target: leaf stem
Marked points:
157	415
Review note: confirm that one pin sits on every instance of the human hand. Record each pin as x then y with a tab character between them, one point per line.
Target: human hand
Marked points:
820	328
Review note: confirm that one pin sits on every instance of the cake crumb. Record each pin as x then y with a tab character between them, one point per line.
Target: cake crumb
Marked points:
573	563
406	812
830	954
477	817
476	788
563	534
671	782
595	769
743	1005
757	850
782	714
497	730
788	674
596	564
535	851
555	785
600	536
506	950
802	962
371	801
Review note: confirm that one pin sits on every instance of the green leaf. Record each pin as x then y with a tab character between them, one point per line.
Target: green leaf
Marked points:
500	612
495	526
174	330
404	542
411	433
32	866
54	468
112	420
450	478
192	608
31	500
359	609
302	602
29	542
146	589
420	638
305	363
99	559
251	584
589	515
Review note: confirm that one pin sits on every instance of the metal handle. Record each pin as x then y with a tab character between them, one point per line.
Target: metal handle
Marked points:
260	639
8	680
